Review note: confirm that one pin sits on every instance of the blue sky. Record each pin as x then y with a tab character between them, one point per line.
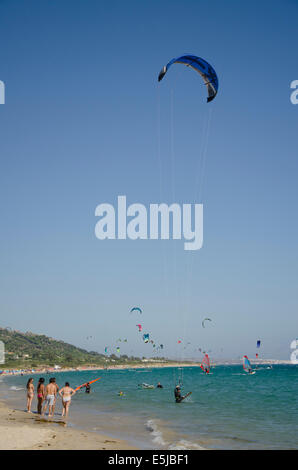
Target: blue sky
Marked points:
80	127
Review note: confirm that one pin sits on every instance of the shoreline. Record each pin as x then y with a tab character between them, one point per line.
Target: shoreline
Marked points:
28	431
44	370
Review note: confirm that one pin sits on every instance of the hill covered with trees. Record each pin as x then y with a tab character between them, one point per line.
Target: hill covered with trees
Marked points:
32	350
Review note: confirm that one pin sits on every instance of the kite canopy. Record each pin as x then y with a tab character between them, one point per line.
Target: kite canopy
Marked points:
146	338
200	65
136	309
203	322
258	343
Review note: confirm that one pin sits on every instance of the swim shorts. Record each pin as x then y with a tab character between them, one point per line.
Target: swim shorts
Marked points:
50	400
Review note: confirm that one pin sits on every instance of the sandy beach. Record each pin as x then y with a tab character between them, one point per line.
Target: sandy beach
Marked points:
23	431
45	370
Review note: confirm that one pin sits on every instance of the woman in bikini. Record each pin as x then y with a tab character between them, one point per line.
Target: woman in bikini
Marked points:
66	393
40	395
30	394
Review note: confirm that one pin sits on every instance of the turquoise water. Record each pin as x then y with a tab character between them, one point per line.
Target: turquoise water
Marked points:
228	409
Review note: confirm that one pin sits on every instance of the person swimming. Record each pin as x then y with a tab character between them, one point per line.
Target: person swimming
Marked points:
159	385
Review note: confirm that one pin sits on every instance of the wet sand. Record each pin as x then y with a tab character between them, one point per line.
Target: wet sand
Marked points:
24	431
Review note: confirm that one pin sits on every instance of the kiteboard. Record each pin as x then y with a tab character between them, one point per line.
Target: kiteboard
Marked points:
185	396
146	386
84	385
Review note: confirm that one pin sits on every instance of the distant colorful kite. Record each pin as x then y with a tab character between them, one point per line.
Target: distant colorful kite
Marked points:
146	338
136	309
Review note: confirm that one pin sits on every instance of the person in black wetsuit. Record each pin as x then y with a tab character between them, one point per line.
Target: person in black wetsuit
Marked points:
159	385
178	396
88	388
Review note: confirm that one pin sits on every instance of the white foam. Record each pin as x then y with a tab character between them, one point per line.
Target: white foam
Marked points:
158	438
185	445
152	427
16	389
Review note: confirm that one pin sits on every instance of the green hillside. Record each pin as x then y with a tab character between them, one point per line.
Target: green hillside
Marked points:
32	350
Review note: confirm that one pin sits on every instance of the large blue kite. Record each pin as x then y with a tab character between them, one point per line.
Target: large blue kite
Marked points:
200	65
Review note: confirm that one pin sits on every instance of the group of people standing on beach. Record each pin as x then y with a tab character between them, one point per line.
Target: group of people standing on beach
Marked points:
47	396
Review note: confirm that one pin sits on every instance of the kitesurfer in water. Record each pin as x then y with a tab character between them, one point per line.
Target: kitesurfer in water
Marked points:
88	388
178	396
159	385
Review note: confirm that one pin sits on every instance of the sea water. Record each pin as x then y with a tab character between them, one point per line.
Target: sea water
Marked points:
228	409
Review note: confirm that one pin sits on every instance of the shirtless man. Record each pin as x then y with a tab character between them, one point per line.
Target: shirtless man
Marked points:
50	393
57	390
66	393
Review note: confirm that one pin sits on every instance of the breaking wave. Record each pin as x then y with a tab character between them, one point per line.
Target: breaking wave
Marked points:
159	439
